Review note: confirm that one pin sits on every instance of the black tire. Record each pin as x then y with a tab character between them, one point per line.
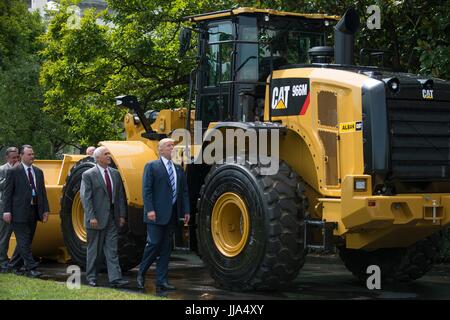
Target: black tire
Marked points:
445	249
274	252
396	264
130	246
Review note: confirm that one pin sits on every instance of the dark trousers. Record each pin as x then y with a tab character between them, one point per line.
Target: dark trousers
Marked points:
24	232
158	246
5	234
101	242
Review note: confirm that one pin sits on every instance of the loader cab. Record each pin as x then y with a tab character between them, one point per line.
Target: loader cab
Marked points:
239	48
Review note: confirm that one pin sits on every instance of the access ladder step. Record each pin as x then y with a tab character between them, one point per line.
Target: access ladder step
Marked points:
319	235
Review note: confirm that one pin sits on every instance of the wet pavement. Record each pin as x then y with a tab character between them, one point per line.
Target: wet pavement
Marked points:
322	277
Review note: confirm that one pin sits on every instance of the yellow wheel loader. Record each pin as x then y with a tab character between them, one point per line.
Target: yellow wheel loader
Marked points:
362	156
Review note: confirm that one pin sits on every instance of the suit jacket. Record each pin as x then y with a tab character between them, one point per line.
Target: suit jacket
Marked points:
3	169
95	198
18	196
157	192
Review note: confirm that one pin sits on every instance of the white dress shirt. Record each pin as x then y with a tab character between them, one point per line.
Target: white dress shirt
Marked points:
26	173
166	164
102	171
32	173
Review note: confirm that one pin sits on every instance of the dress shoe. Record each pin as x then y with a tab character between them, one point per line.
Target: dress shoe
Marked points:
119	283
92	283
18	272
140	281
165	287
34	274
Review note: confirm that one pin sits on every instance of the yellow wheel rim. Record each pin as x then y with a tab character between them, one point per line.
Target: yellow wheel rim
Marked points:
78	218
230	224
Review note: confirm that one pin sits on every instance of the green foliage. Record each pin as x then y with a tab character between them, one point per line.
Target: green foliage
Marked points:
78	65
417	32
135	53
22	119
18	31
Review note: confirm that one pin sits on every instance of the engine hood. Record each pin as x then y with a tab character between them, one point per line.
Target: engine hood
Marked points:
411	86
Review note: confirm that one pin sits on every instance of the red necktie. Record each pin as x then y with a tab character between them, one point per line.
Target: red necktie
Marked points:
108	184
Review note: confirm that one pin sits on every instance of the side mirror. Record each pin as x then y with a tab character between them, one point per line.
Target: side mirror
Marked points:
132	103
185	41
127	101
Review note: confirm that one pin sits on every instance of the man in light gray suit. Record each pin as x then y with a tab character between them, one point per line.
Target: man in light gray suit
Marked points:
103	200
12	159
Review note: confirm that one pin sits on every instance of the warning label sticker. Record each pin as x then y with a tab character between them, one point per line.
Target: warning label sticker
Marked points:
346	127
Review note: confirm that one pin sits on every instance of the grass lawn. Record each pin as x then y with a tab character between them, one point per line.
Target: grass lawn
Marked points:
14	287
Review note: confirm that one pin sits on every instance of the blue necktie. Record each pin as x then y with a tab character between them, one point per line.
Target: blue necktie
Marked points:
172	181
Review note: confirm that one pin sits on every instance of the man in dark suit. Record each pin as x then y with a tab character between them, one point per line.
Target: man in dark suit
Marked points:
25	203
103	201
12	159
166	198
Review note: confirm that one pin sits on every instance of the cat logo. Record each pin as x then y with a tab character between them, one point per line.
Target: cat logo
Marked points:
289	97
427	94
280	105
280	97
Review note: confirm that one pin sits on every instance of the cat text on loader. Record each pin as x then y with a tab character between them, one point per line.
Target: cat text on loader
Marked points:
363	158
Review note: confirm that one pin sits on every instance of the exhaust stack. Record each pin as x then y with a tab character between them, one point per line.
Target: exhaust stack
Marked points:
344	40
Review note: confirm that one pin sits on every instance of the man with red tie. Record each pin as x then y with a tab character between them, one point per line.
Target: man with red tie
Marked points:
26	203
103	200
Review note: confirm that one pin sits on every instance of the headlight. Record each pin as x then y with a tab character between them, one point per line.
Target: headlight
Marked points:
360	184
393	84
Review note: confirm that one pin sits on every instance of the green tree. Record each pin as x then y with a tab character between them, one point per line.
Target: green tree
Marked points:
417	32
22	119
136	52
76	73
